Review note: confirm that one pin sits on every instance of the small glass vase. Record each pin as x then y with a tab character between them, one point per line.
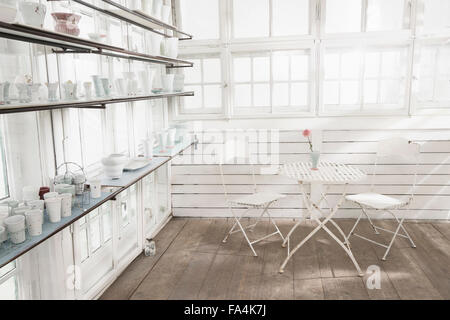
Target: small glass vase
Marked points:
315	156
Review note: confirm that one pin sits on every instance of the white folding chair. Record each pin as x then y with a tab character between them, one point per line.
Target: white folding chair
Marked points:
257	200
393	149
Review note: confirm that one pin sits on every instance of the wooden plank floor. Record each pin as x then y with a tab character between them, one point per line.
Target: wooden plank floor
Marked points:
193	263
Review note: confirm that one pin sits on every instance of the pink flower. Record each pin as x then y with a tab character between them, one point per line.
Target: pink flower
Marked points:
306	133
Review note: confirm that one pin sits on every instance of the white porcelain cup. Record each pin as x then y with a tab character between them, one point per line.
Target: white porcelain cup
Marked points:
16	228
167	82
96	188
165	13
156	44
49	195
33	13
156	10
30	193
171	47
36	204
147	6
34	220
20	210
66	204
53	206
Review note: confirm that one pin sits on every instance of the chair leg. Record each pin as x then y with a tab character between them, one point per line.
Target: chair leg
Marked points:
273	222
393	238
370	220
346	239
404	230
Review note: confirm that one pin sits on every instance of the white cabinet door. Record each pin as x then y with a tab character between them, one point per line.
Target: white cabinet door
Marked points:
149	205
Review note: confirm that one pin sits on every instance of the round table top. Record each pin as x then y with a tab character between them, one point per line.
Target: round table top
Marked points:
327	172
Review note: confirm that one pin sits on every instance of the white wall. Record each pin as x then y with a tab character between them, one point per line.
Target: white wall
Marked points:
197	189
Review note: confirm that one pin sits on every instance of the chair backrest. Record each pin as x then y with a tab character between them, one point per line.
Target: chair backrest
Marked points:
235	151
398	149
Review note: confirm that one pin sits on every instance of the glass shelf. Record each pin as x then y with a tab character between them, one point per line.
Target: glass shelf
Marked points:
98	103
72	44
10	251
131	177
176	150
135	17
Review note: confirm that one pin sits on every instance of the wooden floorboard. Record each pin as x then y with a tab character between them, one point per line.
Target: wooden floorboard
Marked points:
192	262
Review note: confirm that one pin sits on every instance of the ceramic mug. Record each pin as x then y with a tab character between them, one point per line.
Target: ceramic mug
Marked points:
96	188
66	204
156	10
33	13
70	90
53	206
165	13
171	48
30	193
171	137
162	137
16	228
155	41
49	195
34	220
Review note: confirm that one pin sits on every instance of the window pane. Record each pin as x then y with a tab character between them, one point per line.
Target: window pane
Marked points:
290	17
94	234
194	102
92	136
385	15
299	67
390	91
299	94
194	74
280	94
370	91
242	69
261	95
372	65
201	18
211	70
4	190
350	65
331	92
392	64
436	15
261	69
242	95
83	244
280	67
213	96
332	63
251	18
343	16
349	92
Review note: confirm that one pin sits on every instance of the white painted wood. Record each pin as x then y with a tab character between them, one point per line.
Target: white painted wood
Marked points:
196	185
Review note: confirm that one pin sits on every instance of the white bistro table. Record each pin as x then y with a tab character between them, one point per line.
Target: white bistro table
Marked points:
327	173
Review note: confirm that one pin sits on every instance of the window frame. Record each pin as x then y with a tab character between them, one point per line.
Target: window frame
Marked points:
227	45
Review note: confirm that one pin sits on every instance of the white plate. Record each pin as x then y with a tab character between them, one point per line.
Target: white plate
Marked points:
136	163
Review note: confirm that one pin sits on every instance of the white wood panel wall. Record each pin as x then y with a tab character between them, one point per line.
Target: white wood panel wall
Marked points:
197	189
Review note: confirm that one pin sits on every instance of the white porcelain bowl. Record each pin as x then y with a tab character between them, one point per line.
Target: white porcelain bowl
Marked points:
33	13
113	165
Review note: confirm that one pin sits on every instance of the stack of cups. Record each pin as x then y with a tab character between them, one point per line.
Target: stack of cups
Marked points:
20	210
66	204
36	204
16	228
53	205
34	219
